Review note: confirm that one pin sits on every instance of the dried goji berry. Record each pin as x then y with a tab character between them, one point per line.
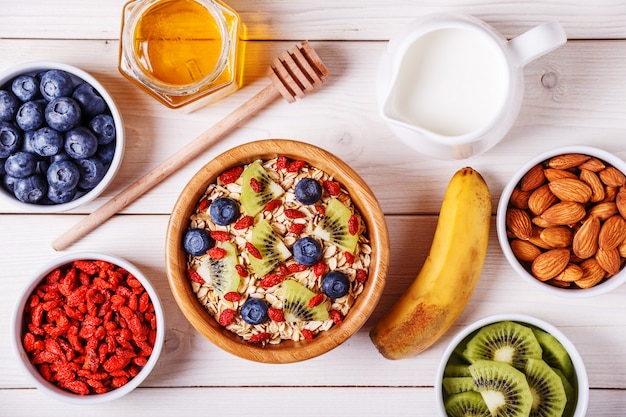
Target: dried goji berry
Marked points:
194	276
349	257
361	275
284	271
271	280
87	267
282	162
336	316
296	228
274	204
231	175
256	185
226	317
294	214
232	296
319	269
320	209
203	205
29	342
216	253
77	386
333	188
307	334
241	271
276	314
315	300
144	302
252	250
296	166
353	225
259	337
295	267
220	235
243	223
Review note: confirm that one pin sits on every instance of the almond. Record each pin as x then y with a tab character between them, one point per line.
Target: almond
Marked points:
565	212
610	193
592	164
569	189
540	222
541	199
518	222
556	174
612	177
621	248
593	273
612	232
533	178
549	264
519	198
620	201
524	250
609	260
557	236
571	273
603	210
566	161
535	238
592	179
585	242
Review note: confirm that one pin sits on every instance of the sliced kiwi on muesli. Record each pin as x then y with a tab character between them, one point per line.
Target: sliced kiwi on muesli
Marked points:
467	404
295	303
221	273
546	387
254	198
504	341
504	388
334	228
270	246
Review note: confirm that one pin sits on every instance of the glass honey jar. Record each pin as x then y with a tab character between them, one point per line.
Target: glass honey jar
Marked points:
182	52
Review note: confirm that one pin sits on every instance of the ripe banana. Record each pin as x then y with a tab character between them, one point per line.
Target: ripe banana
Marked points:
449	275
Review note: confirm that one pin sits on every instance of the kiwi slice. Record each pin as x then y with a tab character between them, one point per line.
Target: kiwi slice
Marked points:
456	384
554	353
272	249
503	388
547	389
570	393
222	273
467	404
333	227
456	370
504	341
254	201
295	303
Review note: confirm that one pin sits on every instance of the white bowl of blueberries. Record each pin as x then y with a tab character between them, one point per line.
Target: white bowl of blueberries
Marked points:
61	137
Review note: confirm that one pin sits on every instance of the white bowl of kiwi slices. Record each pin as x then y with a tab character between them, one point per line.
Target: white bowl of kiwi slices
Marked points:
277	251
511	365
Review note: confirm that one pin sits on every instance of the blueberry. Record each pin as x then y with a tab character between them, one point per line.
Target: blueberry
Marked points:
92	171
106	152
9	182
308	191
254	311
9	104
30	189
90	101
10	139
25	87
197	241
42	166
63	113
46	141
59	196
80	142
61	156
307	251
224	211
104	128
21	165
30	115
55	83
335	284
63	175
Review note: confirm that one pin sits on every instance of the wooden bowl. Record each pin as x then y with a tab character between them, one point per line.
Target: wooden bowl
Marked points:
286	351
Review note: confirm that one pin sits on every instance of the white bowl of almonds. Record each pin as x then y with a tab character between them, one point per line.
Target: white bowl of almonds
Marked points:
277	251
561	221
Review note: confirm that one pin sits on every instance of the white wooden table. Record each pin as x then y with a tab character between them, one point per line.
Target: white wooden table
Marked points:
583	103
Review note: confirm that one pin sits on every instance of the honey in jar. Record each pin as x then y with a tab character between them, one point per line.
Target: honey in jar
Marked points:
181	51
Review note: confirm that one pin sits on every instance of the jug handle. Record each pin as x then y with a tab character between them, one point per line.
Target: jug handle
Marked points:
537	41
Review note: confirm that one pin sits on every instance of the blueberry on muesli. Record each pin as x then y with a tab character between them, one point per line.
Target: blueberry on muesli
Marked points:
307	251
224	211
335	284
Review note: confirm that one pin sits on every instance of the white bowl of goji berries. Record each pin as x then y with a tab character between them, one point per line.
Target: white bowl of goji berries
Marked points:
88	328
277	251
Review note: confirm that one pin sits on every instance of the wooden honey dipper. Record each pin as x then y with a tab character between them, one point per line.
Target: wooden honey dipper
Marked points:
294	74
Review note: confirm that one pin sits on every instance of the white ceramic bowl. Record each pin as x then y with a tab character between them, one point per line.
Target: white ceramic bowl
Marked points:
34	68
582	383
605	286
54	391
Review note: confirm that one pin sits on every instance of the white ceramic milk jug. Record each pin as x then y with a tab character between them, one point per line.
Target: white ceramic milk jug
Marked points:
451	87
